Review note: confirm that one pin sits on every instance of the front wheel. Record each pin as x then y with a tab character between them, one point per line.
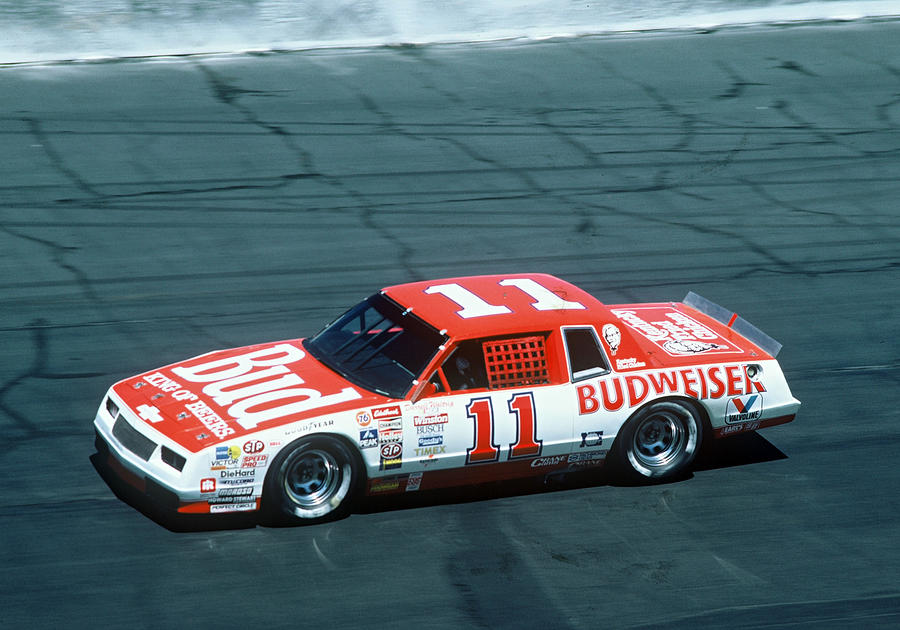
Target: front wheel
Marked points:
660	441
312	480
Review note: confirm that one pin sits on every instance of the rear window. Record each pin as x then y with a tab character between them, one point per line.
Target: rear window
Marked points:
586	358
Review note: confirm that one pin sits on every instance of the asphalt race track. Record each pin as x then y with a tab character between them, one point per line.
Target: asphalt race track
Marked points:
154	210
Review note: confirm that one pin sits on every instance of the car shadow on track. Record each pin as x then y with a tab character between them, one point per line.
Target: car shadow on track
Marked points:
738	450
172	521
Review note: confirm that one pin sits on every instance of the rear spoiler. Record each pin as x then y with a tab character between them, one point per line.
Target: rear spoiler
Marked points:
738	324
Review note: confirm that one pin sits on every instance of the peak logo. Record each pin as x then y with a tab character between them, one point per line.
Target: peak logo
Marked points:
743	408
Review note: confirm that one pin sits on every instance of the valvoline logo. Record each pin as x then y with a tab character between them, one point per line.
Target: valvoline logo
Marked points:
743	408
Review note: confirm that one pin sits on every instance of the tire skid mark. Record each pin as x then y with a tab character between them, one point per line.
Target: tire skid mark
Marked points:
495	587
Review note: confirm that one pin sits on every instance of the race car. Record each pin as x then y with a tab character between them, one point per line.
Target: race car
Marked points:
443	383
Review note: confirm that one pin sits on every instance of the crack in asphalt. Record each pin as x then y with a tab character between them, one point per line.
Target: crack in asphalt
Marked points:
59	162
231	96
38	369
57	255
739	85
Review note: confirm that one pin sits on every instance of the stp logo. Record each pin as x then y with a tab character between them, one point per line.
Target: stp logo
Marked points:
392	450
253	446
207	485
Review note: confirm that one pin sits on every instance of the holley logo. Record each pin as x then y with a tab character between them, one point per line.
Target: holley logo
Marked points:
743	408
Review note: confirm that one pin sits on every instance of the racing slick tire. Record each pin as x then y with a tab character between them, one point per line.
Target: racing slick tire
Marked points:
313	479
660	441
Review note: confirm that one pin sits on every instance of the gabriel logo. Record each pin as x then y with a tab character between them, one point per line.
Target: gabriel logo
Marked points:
392	450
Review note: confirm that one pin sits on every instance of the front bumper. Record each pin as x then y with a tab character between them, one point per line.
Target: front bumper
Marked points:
143	459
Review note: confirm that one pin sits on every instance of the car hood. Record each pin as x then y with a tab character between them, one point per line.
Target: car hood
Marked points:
227	394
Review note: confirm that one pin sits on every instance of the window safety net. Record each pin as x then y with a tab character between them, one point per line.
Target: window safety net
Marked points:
515	362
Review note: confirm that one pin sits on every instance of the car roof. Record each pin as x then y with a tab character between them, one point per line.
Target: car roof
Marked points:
494	305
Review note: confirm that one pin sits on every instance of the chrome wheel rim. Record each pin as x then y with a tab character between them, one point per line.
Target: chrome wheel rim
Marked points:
663	440
312	479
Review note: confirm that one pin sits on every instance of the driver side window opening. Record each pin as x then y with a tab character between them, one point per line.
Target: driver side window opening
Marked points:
464	369
494	364
586	358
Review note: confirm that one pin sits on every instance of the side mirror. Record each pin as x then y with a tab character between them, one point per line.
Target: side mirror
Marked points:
422	390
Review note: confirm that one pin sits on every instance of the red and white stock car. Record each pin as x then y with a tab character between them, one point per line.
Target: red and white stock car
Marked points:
442	383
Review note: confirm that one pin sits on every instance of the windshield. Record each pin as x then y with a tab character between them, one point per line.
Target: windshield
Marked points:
377	345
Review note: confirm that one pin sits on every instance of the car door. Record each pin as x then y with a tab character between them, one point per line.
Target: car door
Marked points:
587	361
493	411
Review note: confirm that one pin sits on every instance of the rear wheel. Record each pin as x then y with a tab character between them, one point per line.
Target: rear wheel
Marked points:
660	441
314	479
